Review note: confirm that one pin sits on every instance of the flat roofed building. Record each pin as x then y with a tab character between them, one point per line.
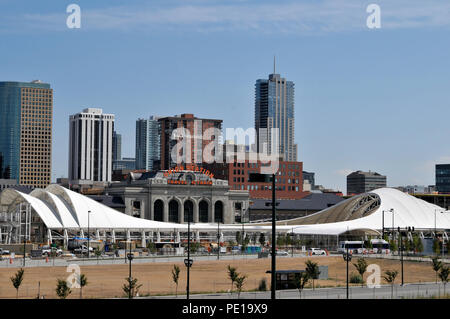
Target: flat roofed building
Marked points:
90	146
443	178
26	112
361	182
148	143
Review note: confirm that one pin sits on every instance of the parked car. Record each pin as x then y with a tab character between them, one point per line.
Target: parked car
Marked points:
317	251
280	253
4	251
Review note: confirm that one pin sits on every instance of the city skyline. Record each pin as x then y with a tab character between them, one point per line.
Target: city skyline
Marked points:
394	78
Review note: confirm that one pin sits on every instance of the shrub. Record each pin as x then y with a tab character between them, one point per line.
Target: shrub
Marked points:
356	278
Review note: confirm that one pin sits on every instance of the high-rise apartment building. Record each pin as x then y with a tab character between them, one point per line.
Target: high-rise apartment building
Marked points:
195	128
362	182
90	146
274	109
147	143
26	111
117	146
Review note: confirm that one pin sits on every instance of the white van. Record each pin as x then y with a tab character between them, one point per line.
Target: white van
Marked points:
354	247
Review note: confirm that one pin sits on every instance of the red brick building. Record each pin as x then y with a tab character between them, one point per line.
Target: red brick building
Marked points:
196	127
289	179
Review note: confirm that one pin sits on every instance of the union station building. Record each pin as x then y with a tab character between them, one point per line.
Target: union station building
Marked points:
173	195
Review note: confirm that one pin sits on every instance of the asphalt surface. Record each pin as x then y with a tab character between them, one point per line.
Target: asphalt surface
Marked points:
407	291
64	262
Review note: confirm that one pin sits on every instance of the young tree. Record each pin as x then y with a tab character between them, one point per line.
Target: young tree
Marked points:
436	246
301	280
417	243
176	277
98	253
361	267
62	289
151	247
443	274
83	282
131	288
17	280
240	284
233	275
436	264
312	269
393	245
389	277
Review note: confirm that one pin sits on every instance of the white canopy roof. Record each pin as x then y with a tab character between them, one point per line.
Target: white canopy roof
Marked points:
60	208
408	211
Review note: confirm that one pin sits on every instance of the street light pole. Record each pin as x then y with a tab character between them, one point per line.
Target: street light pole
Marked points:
401	252
218	239
189	255
88	246
348	257
130	258
274	241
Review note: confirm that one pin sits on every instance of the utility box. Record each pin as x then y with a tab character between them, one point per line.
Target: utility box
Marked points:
323	272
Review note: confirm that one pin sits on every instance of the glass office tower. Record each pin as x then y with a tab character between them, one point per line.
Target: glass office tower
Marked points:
26	111
147	143
274	108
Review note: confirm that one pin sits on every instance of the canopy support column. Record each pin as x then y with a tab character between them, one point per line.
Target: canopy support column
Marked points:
143	240
66	238
158	236
97	234
113	234
49	237
178	237
197	236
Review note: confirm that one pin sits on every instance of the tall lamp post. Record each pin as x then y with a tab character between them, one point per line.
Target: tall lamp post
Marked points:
382	220
400	233
218	239
130	258
443	239
88	246
265	178
274	242
188	262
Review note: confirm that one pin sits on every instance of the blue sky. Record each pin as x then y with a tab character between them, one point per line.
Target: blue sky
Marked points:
365	98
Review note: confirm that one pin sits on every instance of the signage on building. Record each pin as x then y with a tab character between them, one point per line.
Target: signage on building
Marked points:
189	179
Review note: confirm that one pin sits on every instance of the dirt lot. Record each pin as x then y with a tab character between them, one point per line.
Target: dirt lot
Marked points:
206	276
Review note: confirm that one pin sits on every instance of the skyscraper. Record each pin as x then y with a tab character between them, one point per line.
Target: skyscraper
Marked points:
90	146
274	108
147	143
26	111
117	146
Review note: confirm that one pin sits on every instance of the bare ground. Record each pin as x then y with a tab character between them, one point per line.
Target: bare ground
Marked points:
106	281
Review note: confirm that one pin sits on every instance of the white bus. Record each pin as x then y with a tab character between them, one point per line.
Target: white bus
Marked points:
354	247
380	246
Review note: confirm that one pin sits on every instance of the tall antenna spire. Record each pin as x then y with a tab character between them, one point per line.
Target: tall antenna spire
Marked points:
274	64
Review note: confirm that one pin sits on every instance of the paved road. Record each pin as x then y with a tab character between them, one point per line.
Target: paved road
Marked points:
61	262
425	290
